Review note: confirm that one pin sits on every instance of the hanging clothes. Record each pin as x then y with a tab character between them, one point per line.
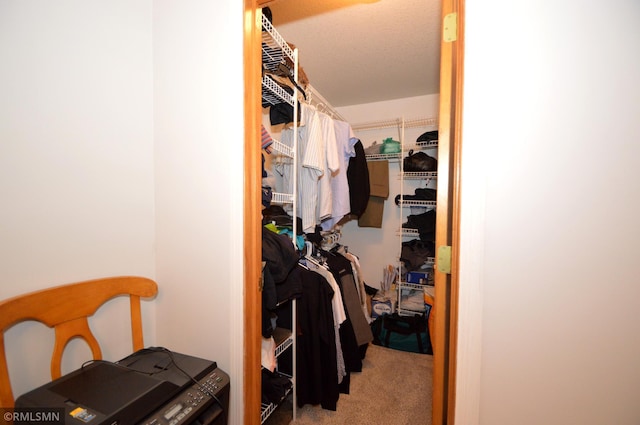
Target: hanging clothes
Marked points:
339	314
378	174
341	204
361	184
317	370
359	278
281	282
341	268
310	166
331	166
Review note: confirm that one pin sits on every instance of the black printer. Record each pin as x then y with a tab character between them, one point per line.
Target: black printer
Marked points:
153	386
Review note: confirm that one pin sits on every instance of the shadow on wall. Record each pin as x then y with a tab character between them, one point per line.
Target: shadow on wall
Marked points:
301	9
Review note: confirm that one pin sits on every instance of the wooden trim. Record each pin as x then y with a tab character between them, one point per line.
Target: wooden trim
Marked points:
263	3
446	311
252	213
441	280
448	219
458	80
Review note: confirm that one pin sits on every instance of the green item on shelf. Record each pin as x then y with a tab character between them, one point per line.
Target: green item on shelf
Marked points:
390	146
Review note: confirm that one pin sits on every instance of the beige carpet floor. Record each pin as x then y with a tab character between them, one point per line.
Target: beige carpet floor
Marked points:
394	388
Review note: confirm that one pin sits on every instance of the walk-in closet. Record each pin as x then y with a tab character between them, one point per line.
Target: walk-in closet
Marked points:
349	209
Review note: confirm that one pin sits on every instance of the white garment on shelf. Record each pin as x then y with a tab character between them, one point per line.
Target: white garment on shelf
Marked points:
269	354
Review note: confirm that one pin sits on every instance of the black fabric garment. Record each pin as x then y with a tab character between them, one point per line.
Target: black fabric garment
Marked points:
279	253
274	386
277	215
358	181
282	112
316	236
264	173
279	283
269	302
419	161
267	194
425	223
415	253
421	194
350	297
370	290
317	369
291	287
350	352
428	136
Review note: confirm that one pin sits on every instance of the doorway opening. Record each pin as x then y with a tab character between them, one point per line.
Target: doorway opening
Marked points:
451	66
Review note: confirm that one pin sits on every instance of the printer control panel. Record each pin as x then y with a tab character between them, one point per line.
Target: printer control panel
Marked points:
200	403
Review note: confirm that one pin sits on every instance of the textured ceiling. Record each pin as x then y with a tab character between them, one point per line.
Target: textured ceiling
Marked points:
364	51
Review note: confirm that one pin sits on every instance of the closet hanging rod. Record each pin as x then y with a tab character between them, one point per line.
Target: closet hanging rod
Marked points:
377	125
318	99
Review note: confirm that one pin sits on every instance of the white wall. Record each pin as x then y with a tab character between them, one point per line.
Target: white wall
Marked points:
551	151
97	97
379	247
199	134
76	163
550	96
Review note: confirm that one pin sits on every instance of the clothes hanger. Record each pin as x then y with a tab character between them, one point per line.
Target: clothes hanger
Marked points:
312	255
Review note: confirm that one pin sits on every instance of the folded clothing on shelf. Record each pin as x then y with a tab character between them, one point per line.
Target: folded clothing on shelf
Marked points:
419	161
274	386
420	194
425	223
277	215
373	149
429	136
416	253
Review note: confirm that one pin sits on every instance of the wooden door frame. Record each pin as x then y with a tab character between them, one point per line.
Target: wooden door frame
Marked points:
448	218
450	123
252	213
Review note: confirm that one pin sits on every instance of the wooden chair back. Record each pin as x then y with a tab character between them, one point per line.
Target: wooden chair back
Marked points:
67	308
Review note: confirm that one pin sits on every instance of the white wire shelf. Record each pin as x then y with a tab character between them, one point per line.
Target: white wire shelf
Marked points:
383	156
282	149
408	232
266	409
416	203
269	30
281	198
413	286
283	340
418	175
273	93
408	312
416	122
272	53
425	145
279	58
